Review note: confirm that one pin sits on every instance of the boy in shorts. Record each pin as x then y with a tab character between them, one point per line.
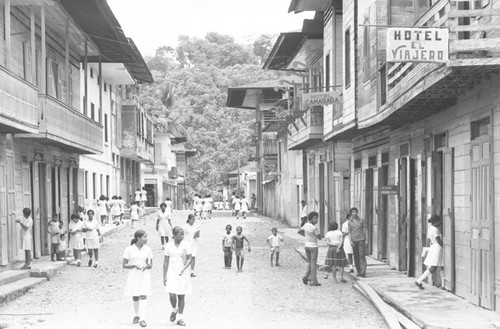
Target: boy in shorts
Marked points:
238	247
274	242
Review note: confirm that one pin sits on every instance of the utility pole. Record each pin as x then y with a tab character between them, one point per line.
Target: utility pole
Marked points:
238	146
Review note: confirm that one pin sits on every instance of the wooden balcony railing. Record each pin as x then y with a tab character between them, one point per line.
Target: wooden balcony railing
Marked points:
310	129
69	128
270	147
18	104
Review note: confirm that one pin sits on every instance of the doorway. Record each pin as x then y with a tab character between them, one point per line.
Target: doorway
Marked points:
383	214
369	208
406	225
322	213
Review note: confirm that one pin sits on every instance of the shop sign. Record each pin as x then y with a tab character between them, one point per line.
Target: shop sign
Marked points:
388	190
417	45
320	99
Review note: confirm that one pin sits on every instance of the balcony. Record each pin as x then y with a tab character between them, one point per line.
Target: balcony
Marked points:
270	148
413	91
64	127
18	105
308	130
137	133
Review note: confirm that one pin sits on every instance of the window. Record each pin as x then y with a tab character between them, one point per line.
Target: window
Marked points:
107	184
102	185
327	73
404	150
85	112
383	84
70	88
480	128
440	141
357	164
94	186
372	161
385	158
347	55
92	111
86	187
53	78
106	128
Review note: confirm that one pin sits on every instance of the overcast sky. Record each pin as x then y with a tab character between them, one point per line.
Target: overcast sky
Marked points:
154	23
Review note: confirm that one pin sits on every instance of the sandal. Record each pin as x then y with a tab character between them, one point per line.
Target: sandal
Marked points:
419	285
143	323
181	323
136	319
172	316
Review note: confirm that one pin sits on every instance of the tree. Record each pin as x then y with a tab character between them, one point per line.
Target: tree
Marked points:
263	46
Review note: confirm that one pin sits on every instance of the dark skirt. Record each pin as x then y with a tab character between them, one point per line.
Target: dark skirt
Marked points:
334	258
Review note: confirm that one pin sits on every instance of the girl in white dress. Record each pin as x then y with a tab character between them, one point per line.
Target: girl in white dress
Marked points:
116	211
134	213
92	234
434	259
163	224
138	257
237	206
347	242
176	279
103	209
191	235
75	229
244	207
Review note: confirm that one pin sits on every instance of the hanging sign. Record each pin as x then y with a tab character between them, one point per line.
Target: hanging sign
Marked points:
388	190
417	45
320	99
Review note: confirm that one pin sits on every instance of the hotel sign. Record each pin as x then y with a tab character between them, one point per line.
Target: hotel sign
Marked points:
320	99
417	45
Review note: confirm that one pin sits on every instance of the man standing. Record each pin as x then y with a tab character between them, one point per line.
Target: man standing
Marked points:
358	233
27	240
303	213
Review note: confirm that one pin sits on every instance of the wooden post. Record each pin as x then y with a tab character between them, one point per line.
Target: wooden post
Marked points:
43	78
8	46
66	63
33	45
85	80
259	153
101	112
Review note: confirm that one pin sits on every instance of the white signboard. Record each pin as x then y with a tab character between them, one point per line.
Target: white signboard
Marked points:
417	45
320	99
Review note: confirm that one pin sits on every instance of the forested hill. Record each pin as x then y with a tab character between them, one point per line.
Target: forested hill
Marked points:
190	92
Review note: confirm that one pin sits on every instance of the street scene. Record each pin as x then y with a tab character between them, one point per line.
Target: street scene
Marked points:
262	164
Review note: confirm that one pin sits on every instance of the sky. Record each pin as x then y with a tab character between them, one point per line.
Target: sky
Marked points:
155	23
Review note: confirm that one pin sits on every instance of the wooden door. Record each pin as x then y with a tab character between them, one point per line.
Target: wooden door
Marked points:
382	213
338	195
4	258
403	176
375	214
331	195
368	207
448	228
322	214
481	222
13	228
45	197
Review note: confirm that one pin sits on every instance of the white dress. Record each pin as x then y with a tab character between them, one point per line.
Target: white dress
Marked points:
134	212
164	228
91	236
27	239
138	282
178	284
102	207
115	207
434	257
144	196
189	231
137	196
347	238
76	240
244	205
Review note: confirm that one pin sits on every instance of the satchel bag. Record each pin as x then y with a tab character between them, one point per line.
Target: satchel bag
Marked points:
301	232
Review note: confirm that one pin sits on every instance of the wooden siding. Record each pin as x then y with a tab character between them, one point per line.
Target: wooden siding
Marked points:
135	143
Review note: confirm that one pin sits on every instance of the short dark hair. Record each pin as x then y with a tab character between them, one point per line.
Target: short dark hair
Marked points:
75	216
90	210
333	226
352	209
311	215
163	204
27	212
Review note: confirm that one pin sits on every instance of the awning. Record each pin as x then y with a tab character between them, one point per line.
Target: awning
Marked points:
98	21
298	6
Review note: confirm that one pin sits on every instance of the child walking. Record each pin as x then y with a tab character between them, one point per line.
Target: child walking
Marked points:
274	242
54	231
227	244
134	213
239	247
335	256
138	257
92	237
163	224
76	238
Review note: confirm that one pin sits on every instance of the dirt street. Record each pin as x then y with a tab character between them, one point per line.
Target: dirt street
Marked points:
260	297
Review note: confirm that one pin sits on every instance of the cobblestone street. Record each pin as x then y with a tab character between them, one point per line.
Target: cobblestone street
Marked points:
260	297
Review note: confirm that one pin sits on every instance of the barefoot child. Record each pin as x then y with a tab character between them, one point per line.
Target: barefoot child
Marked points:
227	243
274	242
54	231
76	238
335	256
238	247
134	213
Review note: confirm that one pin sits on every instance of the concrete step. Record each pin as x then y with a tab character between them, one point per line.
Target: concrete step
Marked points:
15	289
11	276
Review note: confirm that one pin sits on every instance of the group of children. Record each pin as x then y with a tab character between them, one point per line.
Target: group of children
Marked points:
234	242
240	205
203	206
114	209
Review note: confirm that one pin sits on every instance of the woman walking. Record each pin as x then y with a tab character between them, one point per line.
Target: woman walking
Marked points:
102	206
347	242
138	258
434	259
91	227
176	279
191	235
163	224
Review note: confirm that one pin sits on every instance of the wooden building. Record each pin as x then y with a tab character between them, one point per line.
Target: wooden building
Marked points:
44	125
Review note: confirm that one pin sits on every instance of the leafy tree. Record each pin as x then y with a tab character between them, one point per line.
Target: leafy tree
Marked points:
192	95
263	46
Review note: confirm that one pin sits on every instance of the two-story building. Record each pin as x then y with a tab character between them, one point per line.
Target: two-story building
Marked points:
421	129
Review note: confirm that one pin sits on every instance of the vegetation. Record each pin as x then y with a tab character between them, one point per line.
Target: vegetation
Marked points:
190	92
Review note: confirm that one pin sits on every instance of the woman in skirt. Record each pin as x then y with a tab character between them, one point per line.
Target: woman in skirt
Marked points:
434	259
163	224
92	237
191	235
138	258
347	242
176	279
335	256
75	229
